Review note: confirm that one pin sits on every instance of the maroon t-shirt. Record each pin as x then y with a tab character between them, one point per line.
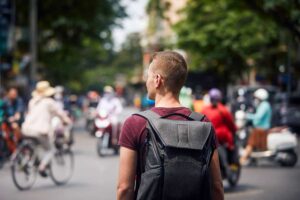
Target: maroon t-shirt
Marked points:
134	132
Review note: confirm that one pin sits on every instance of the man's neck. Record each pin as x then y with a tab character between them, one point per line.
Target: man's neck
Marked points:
168	100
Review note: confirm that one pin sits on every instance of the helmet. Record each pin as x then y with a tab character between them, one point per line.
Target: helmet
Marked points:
261	94
215	94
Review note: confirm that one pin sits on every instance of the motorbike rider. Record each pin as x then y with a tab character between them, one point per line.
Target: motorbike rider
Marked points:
112	105
60	101
261	121
41	110
221	119
14	110
185	97
93	99
59	96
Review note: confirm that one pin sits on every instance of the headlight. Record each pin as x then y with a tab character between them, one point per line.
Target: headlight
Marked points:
101	123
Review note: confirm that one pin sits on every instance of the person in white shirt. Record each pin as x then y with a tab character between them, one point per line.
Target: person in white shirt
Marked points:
41	110
112	105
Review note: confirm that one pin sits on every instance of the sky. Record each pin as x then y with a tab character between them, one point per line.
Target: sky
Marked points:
135	22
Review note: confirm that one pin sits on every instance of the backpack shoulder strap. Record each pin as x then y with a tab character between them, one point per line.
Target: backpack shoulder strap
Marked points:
197	116
149	115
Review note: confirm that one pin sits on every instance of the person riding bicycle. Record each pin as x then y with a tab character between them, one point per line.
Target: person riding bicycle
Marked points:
113	107
221	118
41	109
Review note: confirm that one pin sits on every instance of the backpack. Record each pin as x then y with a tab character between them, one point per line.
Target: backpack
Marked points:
176	159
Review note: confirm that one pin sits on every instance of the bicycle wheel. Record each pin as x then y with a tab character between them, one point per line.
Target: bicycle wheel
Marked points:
62	166
23	169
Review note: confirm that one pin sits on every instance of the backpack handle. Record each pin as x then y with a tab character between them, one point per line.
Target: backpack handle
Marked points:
192	117
177	114
150	115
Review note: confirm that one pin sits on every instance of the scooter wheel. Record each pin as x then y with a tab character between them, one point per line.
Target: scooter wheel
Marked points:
234	176
100	147
290	159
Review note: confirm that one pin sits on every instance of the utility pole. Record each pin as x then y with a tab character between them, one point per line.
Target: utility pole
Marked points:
33	39
289	70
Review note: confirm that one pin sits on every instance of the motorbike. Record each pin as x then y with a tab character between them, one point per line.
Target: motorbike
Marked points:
104	135
281	144
8	141
4	151
229	165
90	118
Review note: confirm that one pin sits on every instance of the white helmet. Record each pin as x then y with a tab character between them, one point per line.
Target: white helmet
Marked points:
261	94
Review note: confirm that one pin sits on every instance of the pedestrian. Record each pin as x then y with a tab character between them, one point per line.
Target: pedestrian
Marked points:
137	178
261	121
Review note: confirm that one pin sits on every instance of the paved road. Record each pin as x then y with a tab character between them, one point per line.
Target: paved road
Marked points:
95	178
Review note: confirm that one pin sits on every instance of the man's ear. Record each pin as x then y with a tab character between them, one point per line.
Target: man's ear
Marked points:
158	80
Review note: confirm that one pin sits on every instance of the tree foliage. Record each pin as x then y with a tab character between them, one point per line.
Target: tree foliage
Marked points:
73	36
285	13
125	62
229	37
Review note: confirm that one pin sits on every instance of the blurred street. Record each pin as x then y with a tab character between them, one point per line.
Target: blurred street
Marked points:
95	178
85	66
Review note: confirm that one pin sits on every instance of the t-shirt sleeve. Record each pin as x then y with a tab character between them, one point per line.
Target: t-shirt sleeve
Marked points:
131	132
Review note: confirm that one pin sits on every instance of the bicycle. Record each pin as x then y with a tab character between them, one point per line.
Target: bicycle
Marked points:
26	159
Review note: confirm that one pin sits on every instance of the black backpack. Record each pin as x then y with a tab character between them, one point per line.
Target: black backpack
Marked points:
176	159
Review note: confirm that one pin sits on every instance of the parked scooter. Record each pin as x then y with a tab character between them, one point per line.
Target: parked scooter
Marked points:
281	145
104	135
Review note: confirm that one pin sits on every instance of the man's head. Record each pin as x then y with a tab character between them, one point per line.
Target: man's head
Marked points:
167	73
12	93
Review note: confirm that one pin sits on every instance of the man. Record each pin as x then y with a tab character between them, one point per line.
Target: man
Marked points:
261	121
41	110
14	110
113	107
166	76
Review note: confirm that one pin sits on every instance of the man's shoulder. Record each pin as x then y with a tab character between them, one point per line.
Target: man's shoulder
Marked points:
134	121
132	130
135	117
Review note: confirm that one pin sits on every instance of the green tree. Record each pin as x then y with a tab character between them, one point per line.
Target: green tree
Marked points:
285	13
126	61
230	37
73	36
